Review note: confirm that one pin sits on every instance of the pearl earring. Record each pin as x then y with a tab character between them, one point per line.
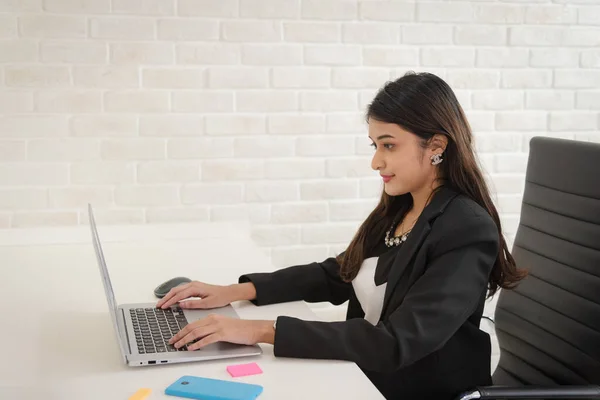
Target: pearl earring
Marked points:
436	159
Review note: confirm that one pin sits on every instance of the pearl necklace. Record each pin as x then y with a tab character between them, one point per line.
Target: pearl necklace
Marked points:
396	240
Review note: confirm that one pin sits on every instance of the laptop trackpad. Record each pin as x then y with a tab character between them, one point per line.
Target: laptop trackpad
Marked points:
194	315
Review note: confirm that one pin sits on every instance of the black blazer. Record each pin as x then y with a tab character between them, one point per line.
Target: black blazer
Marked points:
427	344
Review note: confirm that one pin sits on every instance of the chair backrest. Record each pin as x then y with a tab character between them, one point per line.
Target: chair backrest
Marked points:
549	327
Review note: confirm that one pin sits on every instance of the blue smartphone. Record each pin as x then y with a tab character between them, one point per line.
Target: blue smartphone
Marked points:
194	387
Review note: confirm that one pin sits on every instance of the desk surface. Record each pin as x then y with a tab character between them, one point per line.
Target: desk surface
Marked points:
57	334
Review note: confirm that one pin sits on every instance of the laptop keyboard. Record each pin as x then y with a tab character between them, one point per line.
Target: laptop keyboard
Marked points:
153	327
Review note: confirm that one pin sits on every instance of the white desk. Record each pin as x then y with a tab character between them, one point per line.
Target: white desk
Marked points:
57	337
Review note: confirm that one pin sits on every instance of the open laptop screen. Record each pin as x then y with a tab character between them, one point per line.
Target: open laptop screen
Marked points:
110	295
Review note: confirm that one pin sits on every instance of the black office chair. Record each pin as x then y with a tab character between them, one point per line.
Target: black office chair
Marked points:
549	327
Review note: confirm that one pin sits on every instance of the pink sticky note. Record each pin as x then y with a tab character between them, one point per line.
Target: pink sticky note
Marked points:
244	370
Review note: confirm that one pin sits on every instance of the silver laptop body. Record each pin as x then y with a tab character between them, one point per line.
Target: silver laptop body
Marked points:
143	330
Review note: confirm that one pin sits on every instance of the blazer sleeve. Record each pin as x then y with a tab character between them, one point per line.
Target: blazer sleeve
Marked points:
315	282
435	307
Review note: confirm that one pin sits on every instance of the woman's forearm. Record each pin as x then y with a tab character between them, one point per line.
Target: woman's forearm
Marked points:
244	291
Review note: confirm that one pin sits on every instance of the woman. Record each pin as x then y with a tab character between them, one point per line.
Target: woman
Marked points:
416	273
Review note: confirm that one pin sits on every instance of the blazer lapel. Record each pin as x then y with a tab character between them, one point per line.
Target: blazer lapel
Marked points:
417	236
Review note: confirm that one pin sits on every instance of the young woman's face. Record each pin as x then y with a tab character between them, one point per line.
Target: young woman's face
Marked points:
404	165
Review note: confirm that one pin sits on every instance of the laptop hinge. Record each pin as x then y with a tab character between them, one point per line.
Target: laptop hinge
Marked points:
126	333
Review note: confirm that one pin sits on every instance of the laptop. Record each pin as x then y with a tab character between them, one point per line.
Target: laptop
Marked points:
143	331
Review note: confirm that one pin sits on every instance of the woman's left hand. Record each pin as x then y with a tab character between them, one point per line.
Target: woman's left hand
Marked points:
217	328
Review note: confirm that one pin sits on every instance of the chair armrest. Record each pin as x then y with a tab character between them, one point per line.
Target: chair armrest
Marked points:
533	392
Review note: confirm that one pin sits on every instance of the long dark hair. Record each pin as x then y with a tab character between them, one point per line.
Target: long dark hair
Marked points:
422	103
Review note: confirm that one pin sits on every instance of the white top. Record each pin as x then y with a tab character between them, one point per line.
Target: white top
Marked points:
370	296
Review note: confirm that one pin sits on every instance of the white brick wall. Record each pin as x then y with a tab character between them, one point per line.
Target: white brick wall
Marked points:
175	110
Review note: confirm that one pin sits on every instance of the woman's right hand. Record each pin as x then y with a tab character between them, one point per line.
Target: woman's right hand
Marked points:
211	296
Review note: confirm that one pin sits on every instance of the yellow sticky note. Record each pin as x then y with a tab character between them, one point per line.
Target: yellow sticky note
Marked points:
141	394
